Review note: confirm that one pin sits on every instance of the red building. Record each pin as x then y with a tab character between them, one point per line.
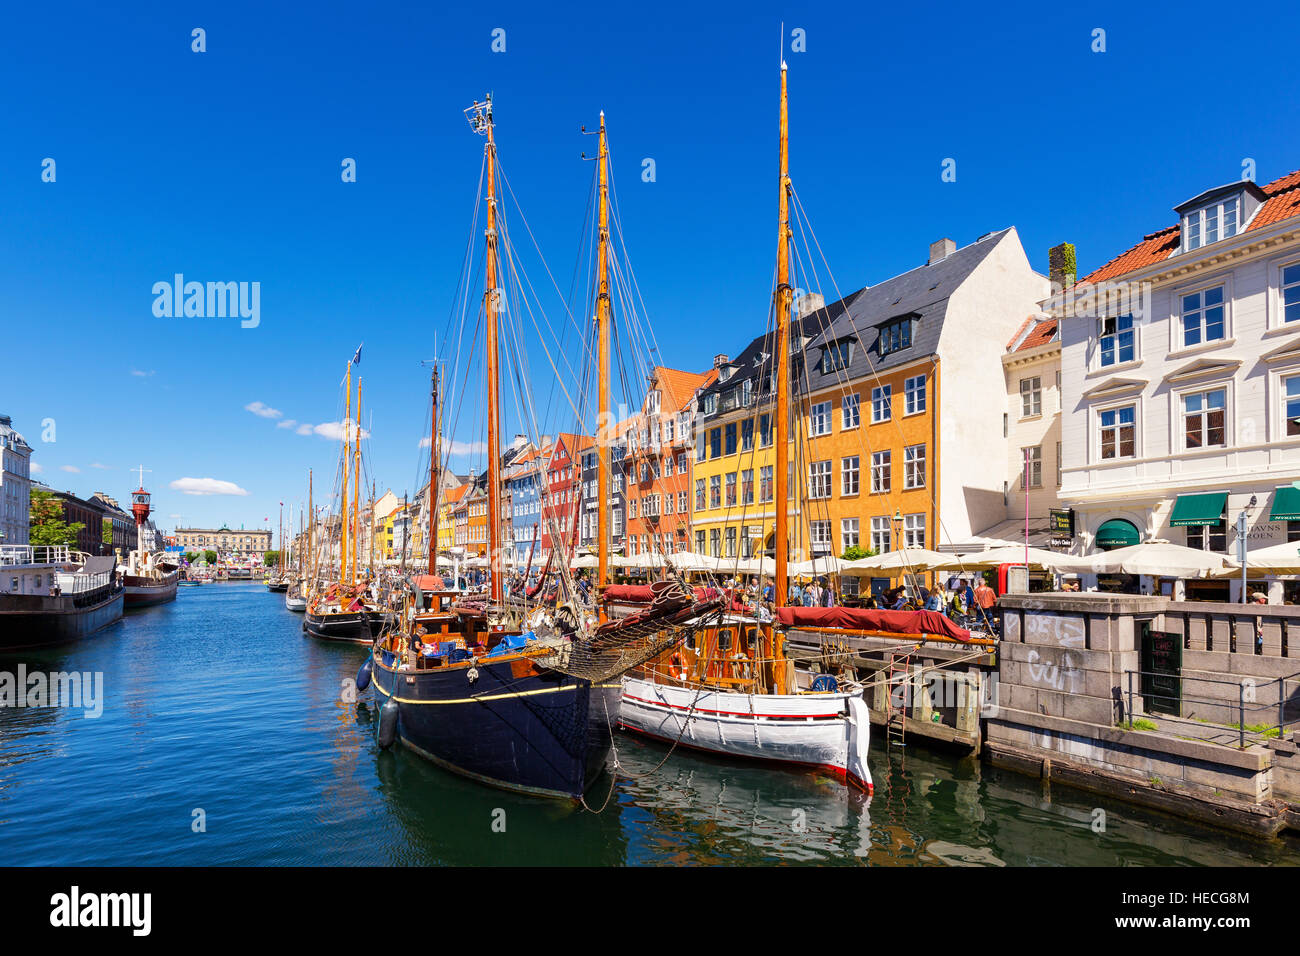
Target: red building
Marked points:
562	490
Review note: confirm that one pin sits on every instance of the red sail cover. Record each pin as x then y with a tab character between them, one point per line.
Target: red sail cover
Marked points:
641	594
868	619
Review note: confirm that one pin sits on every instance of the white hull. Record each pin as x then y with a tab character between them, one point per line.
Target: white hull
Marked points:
295	603
825	731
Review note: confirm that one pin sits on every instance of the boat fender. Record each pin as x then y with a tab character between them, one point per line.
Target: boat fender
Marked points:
363	675
472	674
387	724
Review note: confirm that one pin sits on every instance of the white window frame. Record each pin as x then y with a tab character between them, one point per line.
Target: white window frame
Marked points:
1180	421
1196	222
849	534
881	534
1177	333
1031	398
850	468
883	462
882	397
914	467
819	419
914	530
1277	296
914	395
819	479
850	411
1094	439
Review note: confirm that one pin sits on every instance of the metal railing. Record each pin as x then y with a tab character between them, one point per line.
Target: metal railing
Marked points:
16	554
1285	710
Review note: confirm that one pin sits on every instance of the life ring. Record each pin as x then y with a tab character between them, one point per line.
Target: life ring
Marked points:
676	669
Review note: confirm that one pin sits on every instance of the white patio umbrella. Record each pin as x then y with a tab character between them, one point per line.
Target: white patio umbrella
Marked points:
1008	554
1277	559
637	561
588	561
690	561
1161	559
904	559
760	565
816	566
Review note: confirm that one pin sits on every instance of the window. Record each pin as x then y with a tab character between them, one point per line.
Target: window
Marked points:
849	475
1203	316
699	542
880	462
710	403
731	542
616	521
1032	469
747	435
715	491
765	492
747	486
1211	223
730	444
880	403
701	450
1117	343
848	534
1209	537
914	395
1118	432
747	392
850	415
731	489
765	430
836	357
914	531
819	479
880	535
894	336
668	467
1031	396
1291	401
1203	418
819	419
715	443
699	494
914	466
715	543
1291	293
819	533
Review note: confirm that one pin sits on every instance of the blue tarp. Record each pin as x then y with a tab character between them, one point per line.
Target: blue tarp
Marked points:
511	643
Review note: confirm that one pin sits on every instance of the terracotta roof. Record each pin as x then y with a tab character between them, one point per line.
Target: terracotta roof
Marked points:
1042	333
677	386
453	495
1283	202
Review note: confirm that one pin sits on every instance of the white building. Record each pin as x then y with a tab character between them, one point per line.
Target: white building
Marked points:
1181	382
15	484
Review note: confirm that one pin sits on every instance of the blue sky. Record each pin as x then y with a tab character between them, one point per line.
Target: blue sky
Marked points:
225	166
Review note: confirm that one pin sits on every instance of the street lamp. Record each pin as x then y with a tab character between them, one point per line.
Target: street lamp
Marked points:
1241	546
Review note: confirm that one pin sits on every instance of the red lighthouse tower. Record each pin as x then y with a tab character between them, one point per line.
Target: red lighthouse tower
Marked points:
140	503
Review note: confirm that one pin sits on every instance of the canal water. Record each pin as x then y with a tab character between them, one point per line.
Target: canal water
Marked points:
226	739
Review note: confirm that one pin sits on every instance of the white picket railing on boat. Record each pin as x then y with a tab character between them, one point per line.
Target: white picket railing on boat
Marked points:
15	554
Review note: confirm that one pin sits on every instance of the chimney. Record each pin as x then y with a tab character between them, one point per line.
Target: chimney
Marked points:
941	250
719	360
809	302
1061	266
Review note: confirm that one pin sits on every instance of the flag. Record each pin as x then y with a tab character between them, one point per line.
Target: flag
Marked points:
356	359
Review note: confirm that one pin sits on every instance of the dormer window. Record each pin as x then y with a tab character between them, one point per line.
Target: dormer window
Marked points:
835	357
895	336
1218	213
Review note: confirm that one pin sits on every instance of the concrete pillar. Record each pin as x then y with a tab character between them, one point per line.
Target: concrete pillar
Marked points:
919	695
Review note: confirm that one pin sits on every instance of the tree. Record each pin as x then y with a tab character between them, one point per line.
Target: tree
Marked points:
271	559
47	524
191	556
210	557
856	552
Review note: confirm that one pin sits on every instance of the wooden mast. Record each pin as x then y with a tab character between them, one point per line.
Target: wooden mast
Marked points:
783	297
433	473
356	490
491	304
311	551
604	426
347	463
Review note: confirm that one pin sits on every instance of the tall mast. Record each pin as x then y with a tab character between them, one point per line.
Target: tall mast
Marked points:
370	564
433	474
356	490
311	551
347	463
602	334
483	123
783	297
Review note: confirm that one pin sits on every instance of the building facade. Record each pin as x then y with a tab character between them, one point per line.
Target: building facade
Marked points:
15	484
230	544
1181	382
1032	367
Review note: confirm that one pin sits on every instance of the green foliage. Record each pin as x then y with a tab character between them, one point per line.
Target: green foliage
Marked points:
1141	724
191	556
271	559
47	524
210	557
856	553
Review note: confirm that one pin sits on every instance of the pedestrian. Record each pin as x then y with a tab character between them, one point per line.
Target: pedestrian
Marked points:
986	598
935	601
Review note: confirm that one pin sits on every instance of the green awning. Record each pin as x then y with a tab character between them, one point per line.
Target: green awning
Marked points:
1199	509
1117	533
1286	504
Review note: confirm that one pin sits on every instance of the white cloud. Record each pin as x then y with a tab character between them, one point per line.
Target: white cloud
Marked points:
139	374
37	469
287	423
70	468
334	430
101	467
303	429
263	411
206	486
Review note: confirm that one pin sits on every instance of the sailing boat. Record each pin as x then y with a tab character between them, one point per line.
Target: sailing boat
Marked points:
295	598
732	690
346	608
513	694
